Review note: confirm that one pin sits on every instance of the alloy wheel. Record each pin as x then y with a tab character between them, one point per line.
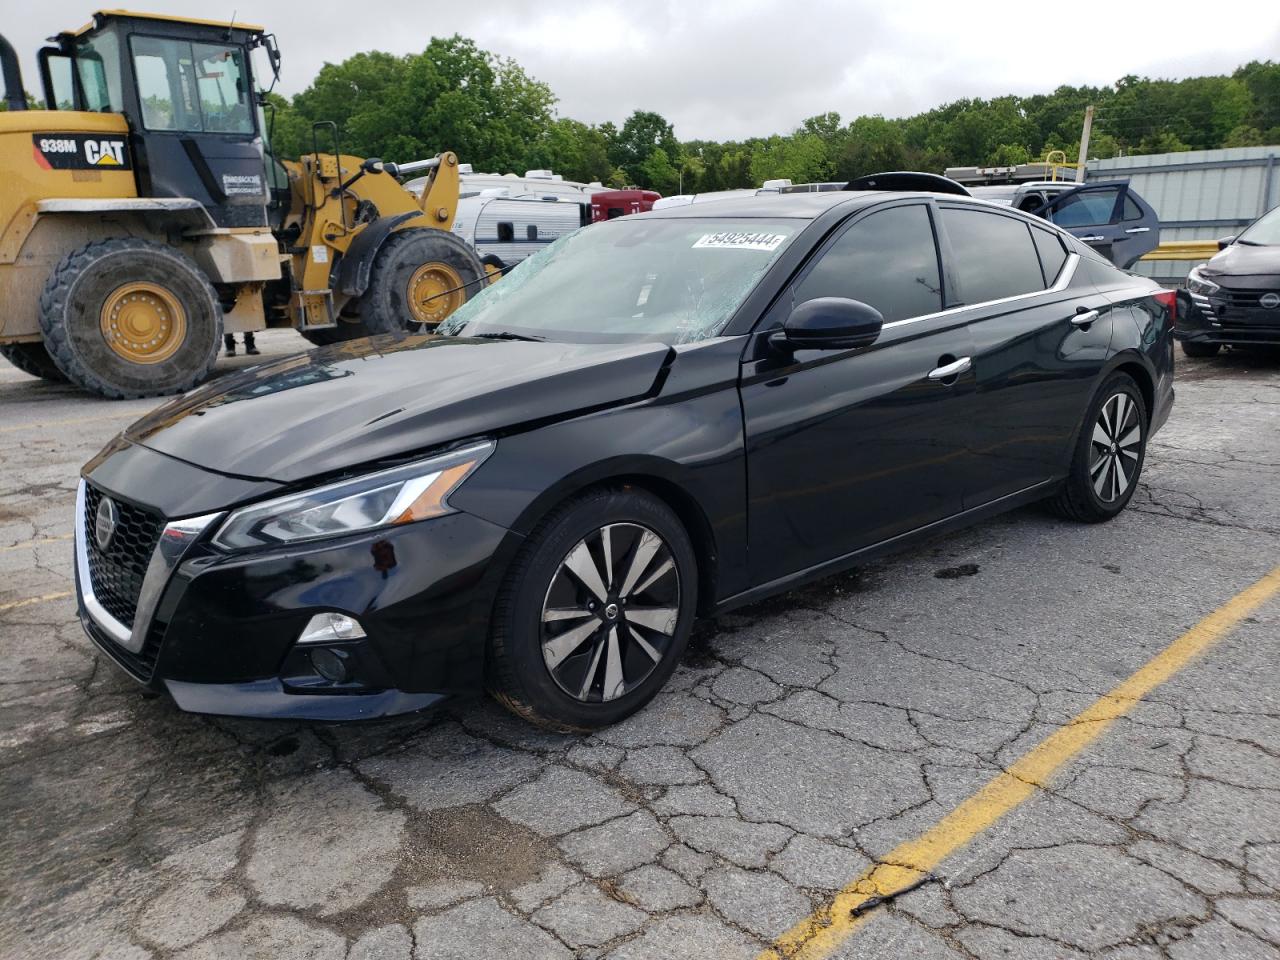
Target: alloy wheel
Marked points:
610	613
1116	448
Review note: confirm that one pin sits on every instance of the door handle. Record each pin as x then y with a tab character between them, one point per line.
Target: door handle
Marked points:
1138	230
1084	318
1097	239
951	370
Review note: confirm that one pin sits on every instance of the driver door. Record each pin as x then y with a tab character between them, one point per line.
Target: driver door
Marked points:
850	448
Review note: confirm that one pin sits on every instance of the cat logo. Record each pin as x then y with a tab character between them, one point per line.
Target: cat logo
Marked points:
78	151
104	153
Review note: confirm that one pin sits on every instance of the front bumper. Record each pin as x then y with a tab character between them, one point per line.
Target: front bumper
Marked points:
1202	319
218	632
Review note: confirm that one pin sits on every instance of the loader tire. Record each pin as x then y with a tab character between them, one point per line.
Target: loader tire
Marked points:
420	276
348	328
33	359
128	318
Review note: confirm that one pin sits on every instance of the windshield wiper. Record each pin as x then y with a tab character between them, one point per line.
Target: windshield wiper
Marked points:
508	335
1251	243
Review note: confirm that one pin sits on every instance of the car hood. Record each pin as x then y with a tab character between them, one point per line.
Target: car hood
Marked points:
380	399
1247	266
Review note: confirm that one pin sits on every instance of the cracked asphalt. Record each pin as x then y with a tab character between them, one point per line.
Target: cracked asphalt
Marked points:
801	740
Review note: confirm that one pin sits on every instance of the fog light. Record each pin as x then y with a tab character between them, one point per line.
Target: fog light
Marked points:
330	664
328	627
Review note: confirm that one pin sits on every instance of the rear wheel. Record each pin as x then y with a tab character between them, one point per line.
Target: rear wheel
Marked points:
1192	349
33	359
595	613
130	318
420	276
1109	454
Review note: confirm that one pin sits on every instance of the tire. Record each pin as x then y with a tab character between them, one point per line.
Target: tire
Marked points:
562	686
1107	462
152	290
1200	350
435	262
348	328
33	359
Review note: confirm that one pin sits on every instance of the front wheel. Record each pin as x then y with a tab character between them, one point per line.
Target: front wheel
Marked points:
1109	454
420	276
595	613
128	318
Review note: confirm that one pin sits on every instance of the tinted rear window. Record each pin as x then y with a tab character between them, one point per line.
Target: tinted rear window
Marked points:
994	255
1052	255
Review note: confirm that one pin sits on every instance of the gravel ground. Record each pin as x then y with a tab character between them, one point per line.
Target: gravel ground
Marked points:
802	739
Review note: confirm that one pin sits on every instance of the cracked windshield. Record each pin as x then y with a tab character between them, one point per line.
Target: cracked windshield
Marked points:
670	281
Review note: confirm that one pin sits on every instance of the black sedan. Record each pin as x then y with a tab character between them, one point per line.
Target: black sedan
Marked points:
1235	297
655	418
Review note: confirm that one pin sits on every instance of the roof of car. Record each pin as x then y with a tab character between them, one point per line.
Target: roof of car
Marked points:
804	206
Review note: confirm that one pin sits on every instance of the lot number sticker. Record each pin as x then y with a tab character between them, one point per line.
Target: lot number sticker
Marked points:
740	241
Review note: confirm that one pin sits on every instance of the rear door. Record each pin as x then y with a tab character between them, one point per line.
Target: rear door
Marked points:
1040	330
1109	217
848	448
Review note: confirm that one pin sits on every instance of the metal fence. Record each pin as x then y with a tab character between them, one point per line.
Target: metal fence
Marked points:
1199	195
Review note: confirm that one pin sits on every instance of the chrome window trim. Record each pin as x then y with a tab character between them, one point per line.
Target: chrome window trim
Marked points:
175	540
1065	277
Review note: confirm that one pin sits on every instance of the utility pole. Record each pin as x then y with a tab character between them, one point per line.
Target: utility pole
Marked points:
1084	143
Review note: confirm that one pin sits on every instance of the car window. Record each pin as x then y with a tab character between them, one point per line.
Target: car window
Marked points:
1052	254
633	279
1131	209
191	87
994	254
1089	208
98	63
888	260
1263	232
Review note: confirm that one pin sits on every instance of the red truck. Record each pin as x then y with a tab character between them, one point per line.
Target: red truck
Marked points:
618	203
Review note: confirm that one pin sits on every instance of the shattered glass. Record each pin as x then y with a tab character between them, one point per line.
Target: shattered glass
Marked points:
646	279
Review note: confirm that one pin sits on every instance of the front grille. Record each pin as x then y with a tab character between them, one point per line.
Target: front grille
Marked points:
117	572
141	664
1236	308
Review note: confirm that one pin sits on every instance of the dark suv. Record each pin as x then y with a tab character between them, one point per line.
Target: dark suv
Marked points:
1108	216
1235	297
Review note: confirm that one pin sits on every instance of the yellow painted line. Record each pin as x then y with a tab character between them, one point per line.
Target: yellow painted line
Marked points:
14	604
38	542
822	932
44	425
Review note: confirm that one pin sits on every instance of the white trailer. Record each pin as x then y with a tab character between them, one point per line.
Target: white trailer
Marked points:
506	229
534	183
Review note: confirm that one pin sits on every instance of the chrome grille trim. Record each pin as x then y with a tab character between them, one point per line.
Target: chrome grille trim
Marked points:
175	540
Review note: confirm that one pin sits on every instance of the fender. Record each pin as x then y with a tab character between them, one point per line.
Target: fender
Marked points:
357	265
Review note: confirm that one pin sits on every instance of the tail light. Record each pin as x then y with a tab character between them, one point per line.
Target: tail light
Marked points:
1169	300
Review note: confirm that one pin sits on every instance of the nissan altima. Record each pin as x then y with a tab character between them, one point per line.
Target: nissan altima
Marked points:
656	418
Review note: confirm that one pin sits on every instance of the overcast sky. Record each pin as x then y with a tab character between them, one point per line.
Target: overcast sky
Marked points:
720	70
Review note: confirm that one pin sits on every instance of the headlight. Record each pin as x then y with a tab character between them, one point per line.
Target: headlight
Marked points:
1197	283
416	491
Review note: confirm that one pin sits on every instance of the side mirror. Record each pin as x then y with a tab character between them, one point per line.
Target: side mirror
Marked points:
829	323
1224	242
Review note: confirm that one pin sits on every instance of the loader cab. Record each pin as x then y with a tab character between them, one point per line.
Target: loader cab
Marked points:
186	89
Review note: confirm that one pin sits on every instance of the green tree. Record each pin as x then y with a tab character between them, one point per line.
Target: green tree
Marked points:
801	158
1244	136
871	145
657	172
642	133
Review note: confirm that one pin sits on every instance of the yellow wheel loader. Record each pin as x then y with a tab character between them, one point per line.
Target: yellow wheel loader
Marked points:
142	216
